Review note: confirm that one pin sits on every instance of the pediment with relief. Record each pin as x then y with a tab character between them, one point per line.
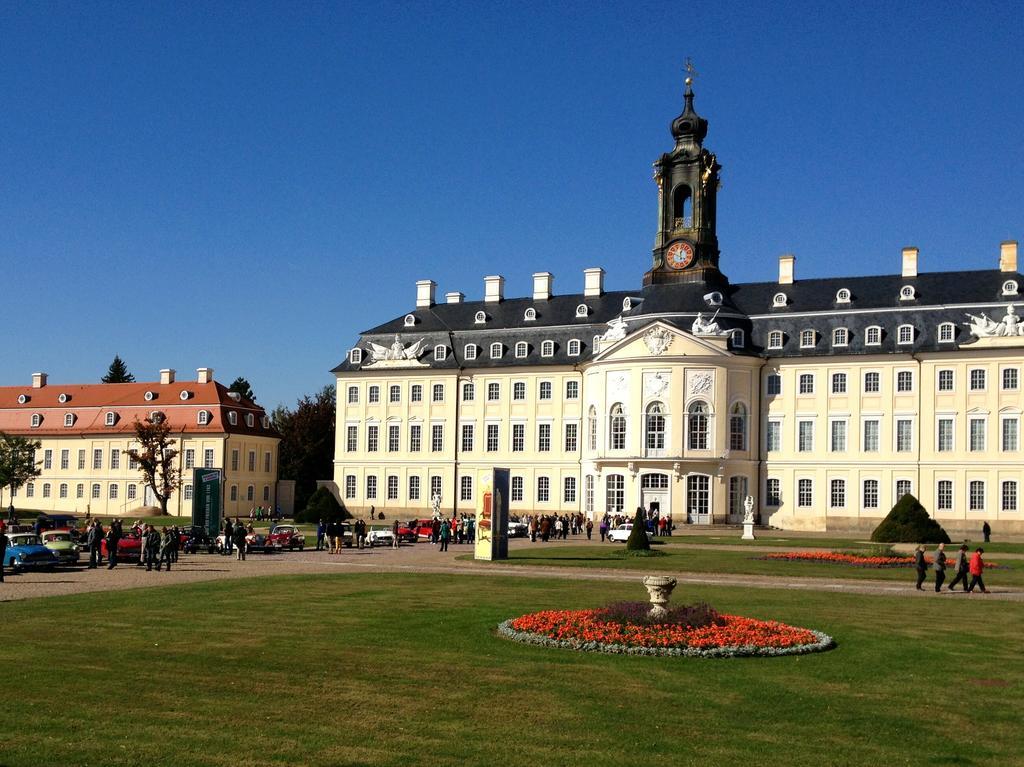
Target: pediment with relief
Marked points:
662	340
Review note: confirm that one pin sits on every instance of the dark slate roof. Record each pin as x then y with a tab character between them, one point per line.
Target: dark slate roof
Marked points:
874	301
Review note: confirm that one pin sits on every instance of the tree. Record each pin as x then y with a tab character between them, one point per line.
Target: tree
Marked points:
307	442
908	522
156	458
17	462
242	387
638	540
118	372
322	505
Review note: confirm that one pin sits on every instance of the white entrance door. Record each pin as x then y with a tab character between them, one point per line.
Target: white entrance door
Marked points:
655	495
698	499
737	494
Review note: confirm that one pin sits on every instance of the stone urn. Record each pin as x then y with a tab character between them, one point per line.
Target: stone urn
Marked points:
660	588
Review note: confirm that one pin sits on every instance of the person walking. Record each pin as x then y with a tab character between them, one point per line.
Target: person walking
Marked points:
394	534
533	529
603	528
229	532
166	550
240	542
320	532
961	564
3	548
590	528
113	538
93	540
986	531
939	564
445	535
977	569
921	566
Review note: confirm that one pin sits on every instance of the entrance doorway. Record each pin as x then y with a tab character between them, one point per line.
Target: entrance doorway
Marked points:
698	499
737	494
655	495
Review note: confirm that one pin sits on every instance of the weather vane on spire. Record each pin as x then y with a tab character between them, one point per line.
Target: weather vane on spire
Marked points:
690	72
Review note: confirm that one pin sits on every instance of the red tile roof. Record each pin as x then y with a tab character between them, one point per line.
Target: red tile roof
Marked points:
90	403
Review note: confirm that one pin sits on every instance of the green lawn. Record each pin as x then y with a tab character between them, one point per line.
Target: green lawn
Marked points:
380	669
698	560
825	544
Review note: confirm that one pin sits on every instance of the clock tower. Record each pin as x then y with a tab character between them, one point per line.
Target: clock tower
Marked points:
686	246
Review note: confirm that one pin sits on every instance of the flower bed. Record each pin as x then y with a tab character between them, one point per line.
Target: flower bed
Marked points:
855	560
724	636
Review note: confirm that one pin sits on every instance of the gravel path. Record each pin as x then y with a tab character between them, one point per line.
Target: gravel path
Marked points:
423	558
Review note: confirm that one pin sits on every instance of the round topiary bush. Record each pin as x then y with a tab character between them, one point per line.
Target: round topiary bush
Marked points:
908	522
638	540
322	505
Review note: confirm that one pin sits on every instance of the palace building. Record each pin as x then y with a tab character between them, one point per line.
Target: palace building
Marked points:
86	430
824	399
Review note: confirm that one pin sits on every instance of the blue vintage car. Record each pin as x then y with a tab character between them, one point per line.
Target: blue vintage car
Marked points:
26	552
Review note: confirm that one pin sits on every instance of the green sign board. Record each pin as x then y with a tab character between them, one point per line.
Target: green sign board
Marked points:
206	499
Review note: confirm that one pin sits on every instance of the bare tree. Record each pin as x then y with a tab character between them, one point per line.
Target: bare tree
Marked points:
156	456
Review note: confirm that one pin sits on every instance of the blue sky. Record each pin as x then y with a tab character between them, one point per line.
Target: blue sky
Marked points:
248	185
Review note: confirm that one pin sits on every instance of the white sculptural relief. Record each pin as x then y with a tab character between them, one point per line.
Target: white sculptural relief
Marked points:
983	326
701	383
397	352
655	384
657	340
616	330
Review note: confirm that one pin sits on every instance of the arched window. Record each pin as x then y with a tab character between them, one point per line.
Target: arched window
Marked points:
203	418
775	339
582	310
907	293
873	335
615	494
807	339
654	427
574	347
547	348
496	350
410	320
738	427
530	314
947	330
592	428
469	352
69	419
1010	288
480	318
697	418
440	353
468	391
617	427
905	334
779	299
682	207
842	296
522	349
840	337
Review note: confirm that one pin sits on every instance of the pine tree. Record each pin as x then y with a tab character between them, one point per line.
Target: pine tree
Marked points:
242	387
118	372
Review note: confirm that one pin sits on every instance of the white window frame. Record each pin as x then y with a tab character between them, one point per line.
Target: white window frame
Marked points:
582	310
875	330
530	315
808	338
952	380
480	318
355	356
946	332
776	338
905	334
908	293
547	348
497	349
469	351
440	353
573	347
843	296
522	349
845	332
779	299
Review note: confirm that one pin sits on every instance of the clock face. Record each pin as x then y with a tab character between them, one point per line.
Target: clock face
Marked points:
679	255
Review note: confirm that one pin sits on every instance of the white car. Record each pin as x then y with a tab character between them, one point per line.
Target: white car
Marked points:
621	533
380	536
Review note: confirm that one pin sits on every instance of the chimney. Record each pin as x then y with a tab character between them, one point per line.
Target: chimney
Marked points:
204	375
910	262
166	376
425	293
38	380
542	282
494	288
453	298
1008	256
786	263
593	282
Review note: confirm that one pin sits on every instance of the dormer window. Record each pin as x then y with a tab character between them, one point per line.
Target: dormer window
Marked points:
1010	288
250	420
496	351
440	353
480	318
873	336
156	417
149	396
582	310
714	298
37	420
410	320
203	418
522	349
265	421
23	398
110	419
355	356
842	296
469	352
737	339
807	339
907	293
62	398
947	330
547	349
69	419
840	337
185	394
626	304
775	339
233	418
905	334
530	314
573	348
779	299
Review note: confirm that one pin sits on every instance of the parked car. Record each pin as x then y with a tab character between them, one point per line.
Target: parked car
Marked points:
518	529
621	533
63	545
289	536
424	528
193	538
66	522
129	548
25	551
380	536
254	542
406	534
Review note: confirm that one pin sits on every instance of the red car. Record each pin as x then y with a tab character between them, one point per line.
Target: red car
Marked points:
424	528
288	536
406	534
129	548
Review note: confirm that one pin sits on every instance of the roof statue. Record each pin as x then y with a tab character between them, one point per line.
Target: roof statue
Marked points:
703	327
983	326
397	352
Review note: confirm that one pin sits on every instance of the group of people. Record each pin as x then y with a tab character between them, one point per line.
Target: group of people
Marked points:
258	514
965	564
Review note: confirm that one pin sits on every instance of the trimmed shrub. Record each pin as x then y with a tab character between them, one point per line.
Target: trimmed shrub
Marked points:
323	505
908	522
638	540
